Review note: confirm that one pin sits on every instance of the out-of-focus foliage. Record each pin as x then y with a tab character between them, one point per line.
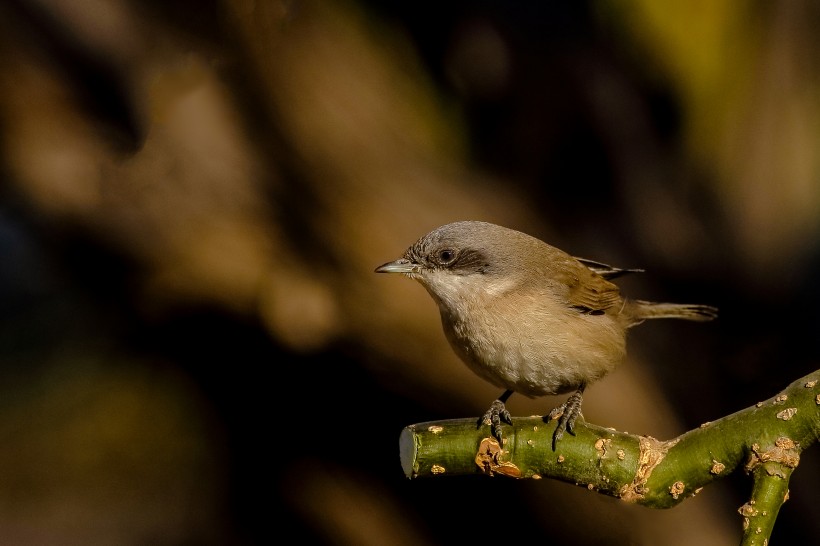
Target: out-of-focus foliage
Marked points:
193	344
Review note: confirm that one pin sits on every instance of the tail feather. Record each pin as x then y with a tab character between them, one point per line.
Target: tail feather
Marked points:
651	310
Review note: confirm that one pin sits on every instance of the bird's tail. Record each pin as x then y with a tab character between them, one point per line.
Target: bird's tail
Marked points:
651	310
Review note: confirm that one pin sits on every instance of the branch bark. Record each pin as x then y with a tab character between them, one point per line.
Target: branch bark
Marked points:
764	440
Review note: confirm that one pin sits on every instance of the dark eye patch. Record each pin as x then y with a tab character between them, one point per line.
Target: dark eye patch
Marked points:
470	261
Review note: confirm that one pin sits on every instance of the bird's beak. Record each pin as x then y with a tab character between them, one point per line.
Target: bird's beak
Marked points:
402	265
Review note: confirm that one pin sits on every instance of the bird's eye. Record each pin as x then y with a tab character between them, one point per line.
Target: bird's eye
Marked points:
446	256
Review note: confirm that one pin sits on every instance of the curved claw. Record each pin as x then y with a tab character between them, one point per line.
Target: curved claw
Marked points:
494	417
567	413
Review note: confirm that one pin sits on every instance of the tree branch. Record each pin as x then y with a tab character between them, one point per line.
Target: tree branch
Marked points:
765	439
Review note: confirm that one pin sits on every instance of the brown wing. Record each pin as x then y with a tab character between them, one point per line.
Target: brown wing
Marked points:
586	290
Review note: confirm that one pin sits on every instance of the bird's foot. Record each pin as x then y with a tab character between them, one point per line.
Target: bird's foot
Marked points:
494	417
567	413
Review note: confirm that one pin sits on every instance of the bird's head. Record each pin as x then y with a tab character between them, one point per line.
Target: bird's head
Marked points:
461	258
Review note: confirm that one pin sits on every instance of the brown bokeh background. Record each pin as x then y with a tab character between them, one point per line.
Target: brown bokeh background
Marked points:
194	348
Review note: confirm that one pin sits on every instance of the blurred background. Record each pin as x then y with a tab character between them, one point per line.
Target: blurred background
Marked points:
194	348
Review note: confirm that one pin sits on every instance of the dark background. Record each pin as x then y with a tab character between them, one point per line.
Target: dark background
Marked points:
194	348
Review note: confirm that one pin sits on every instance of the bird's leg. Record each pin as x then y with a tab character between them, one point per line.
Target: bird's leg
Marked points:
496	414
566	414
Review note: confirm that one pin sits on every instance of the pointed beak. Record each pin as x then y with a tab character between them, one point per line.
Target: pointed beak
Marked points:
402	265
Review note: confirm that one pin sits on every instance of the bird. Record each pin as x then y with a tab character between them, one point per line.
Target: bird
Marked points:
528	317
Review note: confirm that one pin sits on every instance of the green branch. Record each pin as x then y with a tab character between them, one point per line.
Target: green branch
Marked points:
765	440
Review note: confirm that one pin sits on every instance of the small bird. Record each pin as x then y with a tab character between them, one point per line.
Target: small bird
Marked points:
526	316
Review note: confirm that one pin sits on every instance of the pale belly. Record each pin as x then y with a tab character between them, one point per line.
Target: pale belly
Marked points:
548	357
